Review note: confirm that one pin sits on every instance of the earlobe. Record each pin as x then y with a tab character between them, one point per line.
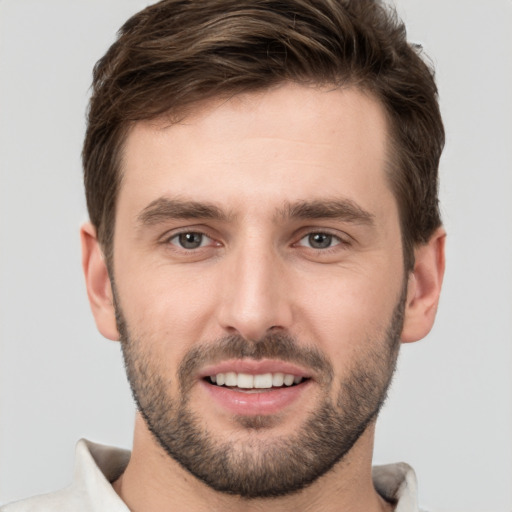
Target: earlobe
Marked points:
97	280
424	288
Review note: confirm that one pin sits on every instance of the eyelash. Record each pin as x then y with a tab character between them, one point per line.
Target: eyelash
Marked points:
339	244
342	242
168	240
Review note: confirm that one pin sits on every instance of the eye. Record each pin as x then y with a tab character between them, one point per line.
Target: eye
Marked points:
319	240
190	240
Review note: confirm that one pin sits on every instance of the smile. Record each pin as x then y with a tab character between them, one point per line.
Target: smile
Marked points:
247	387
260	381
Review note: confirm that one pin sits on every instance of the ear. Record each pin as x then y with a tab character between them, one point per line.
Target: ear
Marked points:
424	288
97	281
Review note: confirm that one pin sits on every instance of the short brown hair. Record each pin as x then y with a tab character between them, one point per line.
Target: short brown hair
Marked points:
176	53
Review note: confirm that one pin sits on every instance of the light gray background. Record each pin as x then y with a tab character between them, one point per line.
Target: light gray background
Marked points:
450	409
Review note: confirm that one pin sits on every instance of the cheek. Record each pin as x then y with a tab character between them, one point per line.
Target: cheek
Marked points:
172	309
349	314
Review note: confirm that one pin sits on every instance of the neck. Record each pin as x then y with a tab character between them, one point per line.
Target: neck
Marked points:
153	481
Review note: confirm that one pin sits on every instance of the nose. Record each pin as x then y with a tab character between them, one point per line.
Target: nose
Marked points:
254	297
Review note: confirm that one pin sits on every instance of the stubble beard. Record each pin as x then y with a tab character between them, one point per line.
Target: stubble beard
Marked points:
255	466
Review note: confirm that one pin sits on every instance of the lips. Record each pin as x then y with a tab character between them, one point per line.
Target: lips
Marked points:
248	387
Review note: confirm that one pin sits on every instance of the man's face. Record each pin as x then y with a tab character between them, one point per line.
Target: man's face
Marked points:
257	245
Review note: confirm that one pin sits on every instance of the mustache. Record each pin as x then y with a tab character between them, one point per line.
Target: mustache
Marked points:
279	346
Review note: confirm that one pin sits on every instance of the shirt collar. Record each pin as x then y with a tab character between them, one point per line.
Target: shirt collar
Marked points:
397	483
97	466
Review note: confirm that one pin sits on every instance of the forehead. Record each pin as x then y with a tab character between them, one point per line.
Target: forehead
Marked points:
260	150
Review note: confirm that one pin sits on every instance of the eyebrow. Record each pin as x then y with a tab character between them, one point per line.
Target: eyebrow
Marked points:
341	209
164	208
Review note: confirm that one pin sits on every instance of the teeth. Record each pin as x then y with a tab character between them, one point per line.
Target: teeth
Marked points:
288	380
245	381
263	381
248	381
278	379
231	379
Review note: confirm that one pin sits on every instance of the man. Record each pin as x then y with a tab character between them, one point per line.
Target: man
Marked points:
261	179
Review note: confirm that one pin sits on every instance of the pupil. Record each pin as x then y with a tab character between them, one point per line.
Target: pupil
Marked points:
320	240
190	240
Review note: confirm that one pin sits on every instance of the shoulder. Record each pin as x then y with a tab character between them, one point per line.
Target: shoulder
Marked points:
95	467
60	501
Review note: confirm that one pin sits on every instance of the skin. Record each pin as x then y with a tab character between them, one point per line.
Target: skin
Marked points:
256	271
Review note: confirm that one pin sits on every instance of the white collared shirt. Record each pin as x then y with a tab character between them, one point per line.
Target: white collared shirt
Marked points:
96	466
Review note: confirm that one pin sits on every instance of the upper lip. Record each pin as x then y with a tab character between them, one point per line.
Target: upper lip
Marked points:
255	367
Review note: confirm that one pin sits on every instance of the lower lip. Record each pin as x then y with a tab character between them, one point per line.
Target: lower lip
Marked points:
256	403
